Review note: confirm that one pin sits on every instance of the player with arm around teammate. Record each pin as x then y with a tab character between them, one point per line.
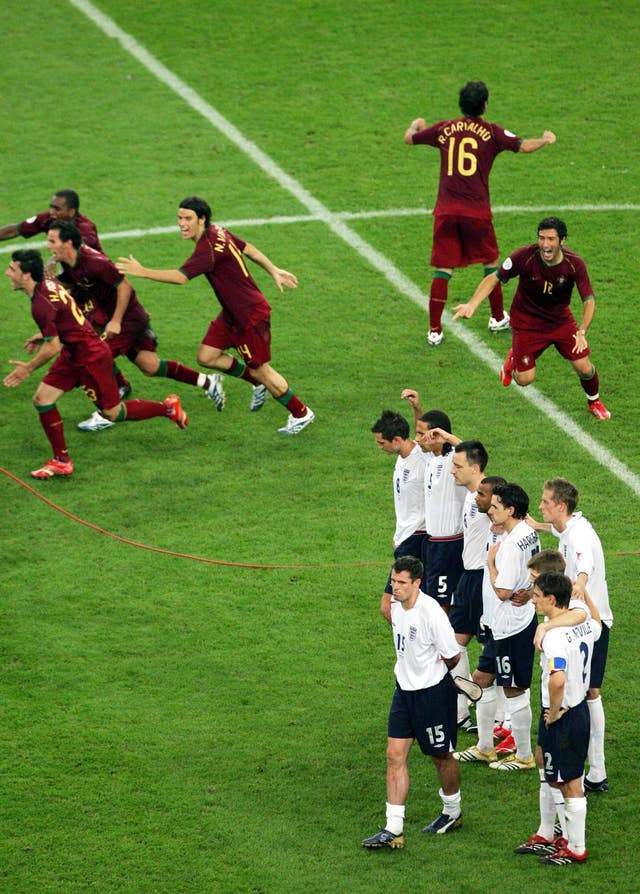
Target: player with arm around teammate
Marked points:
113	308
81	360
463	231
244	323
582	551
64	205
563	731
423	706
391	432
540	312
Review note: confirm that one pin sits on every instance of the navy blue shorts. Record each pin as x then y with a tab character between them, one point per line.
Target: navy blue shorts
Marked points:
427	715
442	561
599	658
466	606
564	744
410	546
510	659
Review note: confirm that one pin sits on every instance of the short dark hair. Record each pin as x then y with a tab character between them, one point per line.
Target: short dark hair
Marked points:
493	480
552	583
200	206
30	261
563	492
475	453
473	98
391	425
413	566
547	560
71	198
513	496
554	223
437	419
68	232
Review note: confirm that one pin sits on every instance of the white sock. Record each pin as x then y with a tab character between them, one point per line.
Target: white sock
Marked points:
485	716
576	811
547	810
462	669
597	770
395	818
451	804
520	707
500	705
560	804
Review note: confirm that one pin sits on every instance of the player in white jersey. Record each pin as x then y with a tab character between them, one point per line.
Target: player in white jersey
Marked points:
563	731
442	554
469	461
424	703
391	431
584	557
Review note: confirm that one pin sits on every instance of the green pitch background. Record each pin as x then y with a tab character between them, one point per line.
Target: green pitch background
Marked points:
171	725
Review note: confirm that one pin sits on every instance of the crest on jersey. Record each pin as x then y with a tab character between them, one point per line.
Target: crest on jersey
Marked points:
413	632
405	475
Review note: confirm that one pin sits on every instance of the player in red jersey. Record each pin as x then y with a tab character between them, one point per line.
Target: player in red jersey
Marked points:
83	360
113	309
463	231
64	205
244	323
540	312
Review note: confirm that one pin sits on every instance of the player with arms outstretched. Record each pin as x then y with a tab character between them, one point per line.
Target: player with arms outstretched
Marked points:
463	231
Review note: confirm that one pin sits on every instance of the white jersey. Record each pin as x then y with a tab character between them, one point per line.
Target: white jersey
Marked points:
422	637
475	525
516	549
443	498
408	494
582	552
569	649
489	597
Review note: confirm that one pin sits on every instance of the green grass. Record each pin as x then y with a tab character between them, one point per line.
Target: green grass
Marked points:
171	725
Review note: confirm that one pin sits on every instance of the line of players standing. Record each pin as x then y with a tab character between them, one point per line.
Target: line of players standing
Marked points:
481	552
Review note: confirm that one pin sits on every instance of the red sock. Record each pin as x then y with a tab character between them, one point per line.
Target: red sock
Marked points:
246	374
437	300
296	407
591	386
496	301
51	421
137	409
175	370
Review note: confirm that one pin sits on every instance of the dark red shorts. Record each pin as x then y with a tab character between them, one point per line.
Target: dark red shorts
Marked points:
96	379
528	344
132	339
460	241
252	343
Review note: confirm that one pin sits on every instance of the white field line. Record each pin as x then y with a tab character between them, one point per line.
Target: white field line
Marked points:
337	215
337	225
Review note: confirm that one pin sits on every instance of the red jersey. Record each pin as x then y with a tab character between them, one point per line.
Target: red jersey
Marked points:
56	313
94	281
218	254
468	147
43	221
543	294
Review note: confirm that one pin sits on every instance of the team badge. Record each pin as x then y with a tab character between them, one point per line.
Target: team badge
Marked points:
413	632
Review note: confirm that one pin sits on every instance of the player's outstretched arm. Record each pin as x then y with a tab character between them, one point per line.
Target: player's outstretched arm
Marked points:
132	267
10	231
280	277
416	125
485	288
547	138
